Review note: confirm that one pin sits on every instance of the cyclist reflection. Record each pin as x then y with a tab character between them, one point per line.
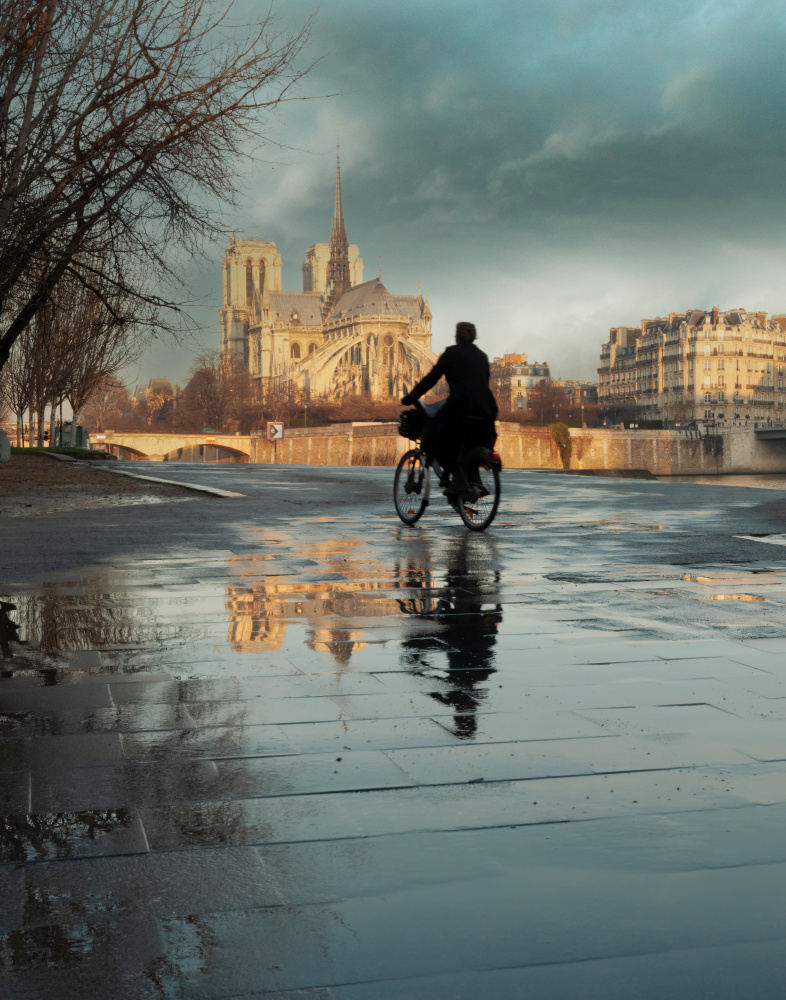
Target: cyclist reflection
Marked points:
468	610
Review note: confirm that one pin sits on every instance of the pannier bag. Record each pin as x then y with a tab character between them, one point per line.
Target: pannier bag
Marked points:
410	424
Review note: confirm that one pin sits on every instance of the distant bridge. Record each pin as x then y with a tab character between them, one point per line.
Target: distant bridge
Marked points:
177	447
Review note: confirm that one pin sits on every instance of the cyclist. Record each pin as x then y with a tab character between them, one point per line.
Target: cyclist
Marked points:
466	370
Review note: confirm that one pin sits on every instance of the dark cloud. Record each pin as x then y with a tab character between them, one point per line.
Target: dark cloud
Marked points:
602	160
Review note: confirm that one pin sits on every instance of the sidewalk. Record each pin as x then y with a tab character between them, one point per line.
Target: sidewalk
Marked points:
281	745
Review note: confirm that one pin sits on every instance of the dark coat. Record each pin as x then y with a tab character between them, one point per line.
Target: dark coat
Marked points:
466	370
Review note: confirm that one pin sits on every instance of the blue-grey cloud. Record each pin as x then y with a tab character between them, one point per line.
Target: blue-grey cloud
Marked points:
599	159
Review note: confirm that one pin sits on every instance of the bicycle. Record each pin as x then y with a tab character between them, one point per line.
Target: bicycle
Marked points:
473	491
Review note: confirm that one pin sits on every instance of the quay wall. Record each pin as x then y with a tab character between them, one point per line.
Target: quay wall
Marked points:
663	453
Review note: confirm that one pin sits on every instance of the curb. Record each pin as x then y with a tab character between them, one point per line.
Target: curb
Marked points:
171	482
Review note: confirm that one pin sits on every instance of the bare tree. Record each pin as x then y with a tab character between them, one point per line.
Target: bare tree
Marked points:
210	390
92	329
16	381
159	406
108	401
548	402
121	123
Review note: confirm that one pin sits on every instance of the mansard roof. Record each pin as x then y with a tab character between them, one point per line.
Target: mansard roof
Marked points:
371	298
307	305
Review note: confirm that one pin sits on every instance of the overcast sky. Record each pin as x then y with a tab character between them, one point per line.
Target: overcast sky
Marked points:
547	168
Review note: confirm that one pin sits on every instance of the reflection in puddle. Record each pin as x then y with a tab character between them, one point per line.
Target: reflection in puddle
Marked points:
52	621
9	630
36	948
468	610
733	597
259	614
42	836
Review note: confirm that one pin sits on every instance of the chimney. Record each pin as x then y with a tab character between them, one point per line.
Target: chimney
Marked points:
715	311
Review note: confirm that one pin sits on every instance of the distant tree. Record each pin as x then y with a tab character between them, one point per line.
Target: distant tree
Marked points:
548	402
16	381
159	406
210	395
108	404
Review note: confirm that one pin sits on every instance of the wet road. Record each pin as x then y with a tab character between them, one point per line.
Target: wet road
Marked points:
283	746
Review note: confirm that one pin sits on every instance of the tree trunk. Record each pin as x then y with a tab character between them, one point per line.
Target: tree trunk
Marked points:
73	429
20	429
41	424
52	417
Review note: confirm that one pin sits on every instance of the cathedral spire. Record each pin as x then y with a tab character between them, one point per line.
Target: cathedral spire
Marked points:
337	279
338	233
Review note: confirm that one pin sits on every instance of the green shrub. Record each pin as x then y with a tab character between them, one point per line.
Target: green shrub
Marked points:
561	434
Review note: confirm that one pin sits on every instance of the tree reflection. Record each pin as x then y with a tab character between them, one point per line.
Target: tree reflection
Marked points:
468	610
9	630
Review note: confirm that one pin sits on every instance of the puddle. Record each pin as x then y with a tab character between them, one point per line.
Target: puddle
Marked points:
733	597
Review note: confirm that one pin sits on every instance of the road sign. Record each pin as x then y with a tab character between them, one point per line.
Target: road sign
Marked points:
210	437
275	432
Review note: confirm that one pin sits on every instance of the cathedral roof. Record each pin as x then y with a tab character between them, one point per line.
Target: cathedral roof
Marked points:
307	305
412	306
369	299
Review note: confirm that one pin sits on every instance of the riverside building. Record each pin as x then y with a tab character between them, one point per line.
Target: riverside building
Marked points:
513	377
722	367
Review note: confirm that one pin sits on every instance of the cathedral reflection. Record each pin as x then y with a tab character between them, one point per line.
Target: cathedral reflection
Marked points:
260	613
468	610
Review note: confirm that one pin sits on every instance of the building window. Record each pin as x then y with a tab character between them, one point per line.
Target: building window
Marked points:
708	414
707	365
294	352
312	348
721	397
707	398
249	282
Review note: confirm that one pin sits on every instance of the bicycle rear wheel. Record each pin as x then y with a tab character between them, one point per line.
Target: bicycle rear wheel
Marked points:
477	505
410	486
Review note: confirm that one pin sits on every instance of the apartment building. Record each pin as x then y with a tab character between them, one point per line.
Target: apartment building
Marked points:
723	367
513	377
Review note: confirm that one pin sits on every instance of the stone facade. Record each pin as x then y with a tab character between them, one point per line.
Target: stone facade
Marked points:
337	337
725	368
513	377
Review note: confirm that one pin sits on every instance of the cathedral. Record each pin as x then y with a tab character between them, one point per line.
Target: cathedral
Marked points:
339	336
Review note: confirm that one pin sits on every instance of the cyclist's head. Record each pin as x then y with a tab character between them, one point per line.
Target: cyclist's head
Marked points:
465	333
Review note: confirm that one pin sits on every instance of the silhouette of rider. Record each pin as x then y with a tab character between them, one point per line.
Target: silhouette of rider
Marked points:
466	369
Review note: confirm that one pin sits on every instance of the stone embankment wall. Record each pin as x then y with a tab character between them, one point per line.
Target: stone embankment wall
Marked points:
339	444
677	453
662	453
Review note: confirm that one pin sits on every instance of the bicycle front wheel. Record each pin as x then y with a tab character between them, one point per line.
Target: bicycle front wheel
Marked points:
478	504
410	486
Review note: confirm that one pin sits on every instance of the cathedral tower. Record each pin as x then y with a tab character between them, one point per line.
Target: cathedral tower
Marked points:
337	278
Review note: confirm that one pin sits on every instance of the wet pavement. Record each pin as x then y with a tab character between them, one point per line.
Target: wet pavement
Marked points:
281	745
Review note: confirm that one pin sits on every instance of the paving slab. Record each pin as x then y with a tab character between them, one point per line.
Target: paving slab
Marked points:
281	745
